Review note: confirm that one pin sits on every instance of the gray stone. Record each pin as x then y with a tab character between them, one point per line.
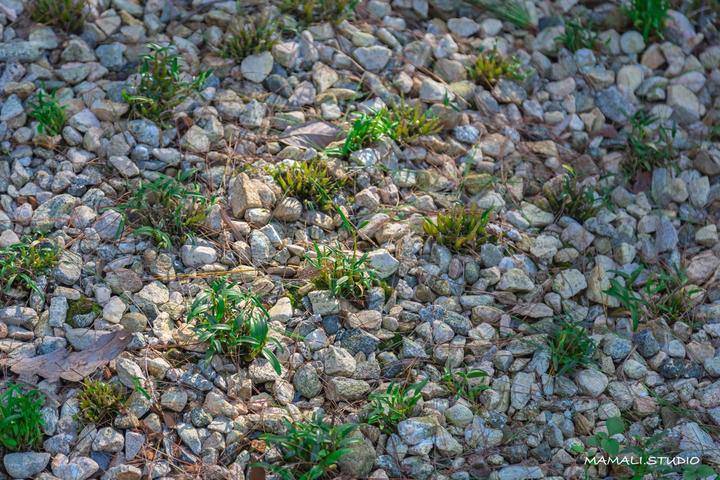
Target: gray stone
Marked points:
257	67
373	58
25	464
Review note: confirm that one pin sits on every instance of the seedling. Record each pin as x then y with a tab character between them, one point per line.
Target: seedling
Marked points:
345	275
571	198
308	181
161	86
648	16
310	449
166	209
490	67
578	36
49	114
458	228
67	15
394	405
316	11
100	402
570	348
248	36
21	418
233	323
513	11
648	151
462	384
22	262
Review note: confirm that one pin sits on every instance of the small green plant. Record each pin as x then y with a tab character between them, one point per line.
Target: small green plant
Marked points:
310	449
22	262
571	198
578	36
49	114
309	181
248	36
100	402
166	209
345	275
463	384
458	228
21	419
365	130
68	15
647	150
490	67
233	323
648	16
161	87
570	348
664	294
394	405
315	11
513	11
412	121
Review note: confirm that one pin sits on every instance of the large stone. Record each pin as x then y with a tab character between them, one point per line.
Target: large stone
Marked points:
25	464
257	67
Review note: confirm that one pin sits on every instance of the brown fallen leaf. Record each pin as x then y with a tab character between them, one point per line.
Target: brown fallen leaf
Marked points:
316	134
73	366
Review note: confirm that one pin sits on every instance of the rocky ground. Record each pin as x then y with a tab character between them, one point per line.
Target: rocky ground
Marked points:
494	307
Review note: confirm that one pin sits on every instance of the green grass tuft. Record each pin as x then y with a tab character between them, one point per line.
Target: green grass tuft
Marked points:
310	181
648	16
458	228
394	405
570	348
67	15
166	209
21	418
464	384
310	449
248	36
571	198
578	36
161	86
513	11
233	323
317	11
648	149
22	262
346	275
490	67
48	112
100	402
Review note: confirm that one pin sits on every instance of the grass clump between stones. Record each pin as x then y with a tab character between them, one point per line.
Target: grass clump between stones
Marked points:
22	262
464	383
577	35
233	323
100	402
310	182
249	36
345	275
161	87
513	11
394	405
48	112
21	418
664	294
571	198
570	348
67	15
316	11
166	209
310	449
491	66
647	149
459	228
648	16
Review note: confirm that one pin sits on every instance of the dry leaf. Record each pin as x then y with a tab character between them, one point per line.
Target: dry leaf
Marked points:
311	135
256	473
73	366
